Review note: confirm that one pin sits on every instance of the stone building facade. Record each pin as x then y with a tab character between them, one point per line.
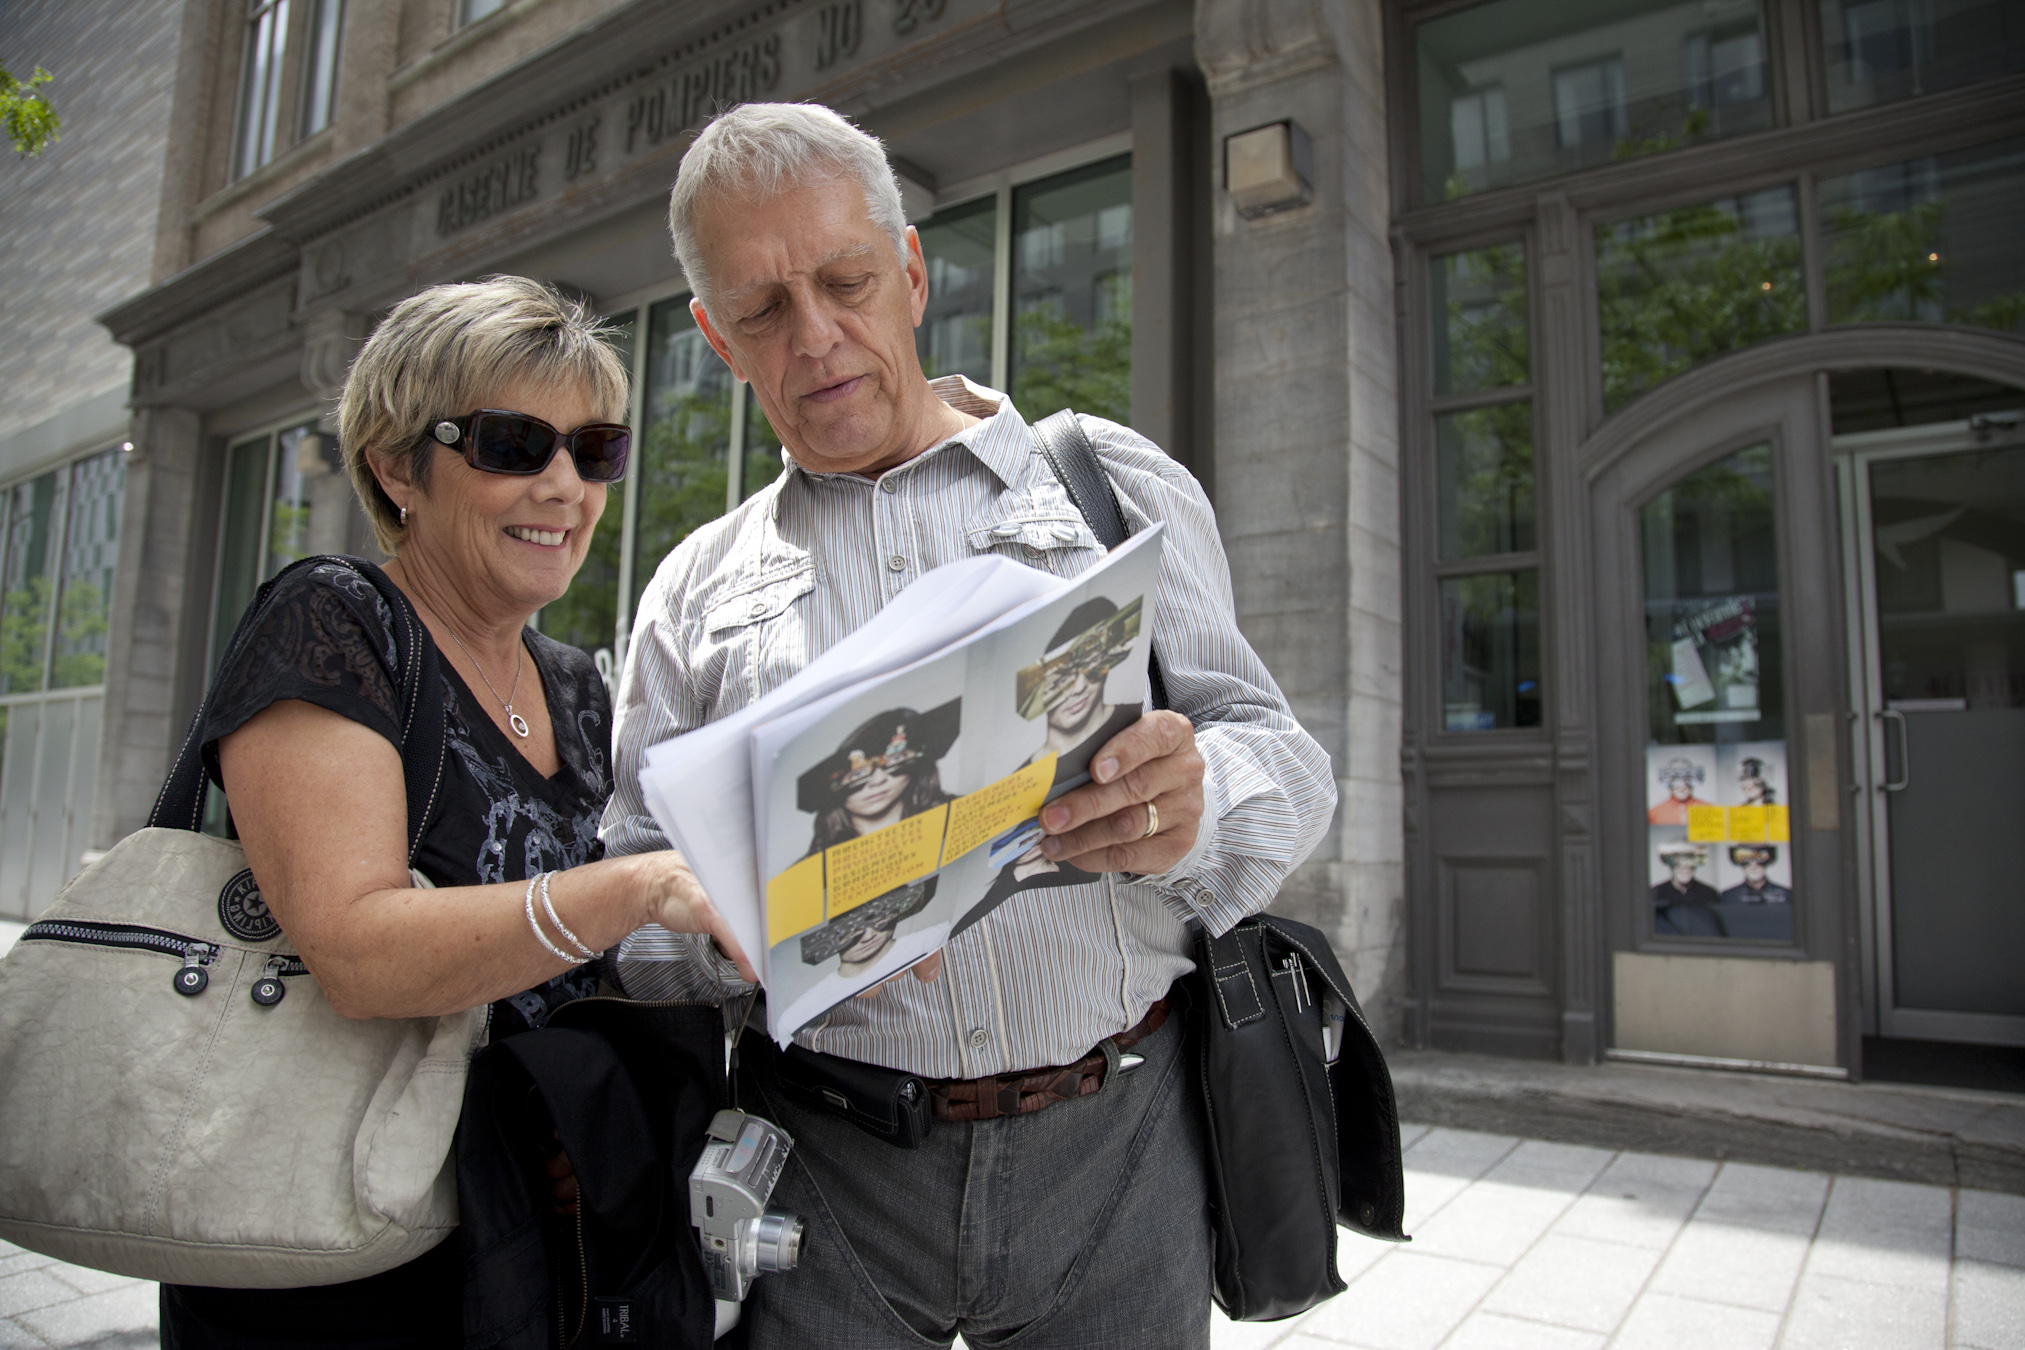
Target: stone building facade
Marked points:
1609	413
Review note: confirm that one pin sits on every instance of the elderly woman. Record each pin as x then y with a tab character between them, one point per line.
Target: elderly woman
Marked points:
480	425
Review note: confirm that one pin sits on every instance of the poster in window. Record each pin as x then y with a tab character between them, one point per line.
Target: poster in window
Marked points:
1718	854
1714	673
1678	779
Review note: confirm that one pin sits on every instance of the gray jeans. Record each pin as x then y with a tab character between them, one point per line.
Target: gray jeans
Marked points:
1079	1225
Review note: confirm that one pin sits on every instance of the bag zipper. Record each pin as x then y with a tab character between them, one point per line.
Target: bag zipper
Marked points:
196	954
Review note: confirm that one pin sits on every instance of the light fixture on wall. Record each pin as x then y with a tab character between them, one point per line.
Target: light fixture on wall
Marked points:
1268	168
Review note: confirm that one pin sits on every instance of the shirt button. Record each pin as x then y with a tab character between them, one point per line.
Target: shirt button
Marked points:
978	1036
889	484
896	563
758	608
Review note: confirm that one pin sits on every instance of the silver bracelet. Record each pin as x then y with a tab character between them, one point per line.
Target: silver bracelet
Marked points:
542	937
560	927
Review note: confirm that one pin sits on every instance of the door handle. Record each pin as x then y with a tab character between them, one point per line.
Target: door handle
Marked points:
1888	716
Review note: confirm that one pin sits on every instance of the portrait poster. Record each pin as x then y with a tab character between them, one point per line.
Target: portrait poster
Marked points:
1714	664
1718	856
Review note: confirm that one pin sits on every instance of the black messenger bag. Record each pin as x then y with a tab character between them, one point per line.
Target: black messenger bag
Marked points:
1302	1131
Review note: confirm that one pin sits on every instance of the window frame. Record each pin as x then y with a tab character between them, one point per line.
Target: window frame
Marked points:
294	82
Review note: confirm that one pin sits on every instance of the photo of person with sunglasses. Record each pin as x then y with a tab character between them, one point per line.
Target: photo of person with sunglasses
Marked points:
884	772
1067	684
480	428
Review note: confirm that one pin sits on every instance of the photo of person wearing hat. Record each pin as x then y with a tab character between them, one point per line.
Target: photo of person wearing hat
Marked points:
1682	904
1680	776
1067	684
884	772
861	936
1756	888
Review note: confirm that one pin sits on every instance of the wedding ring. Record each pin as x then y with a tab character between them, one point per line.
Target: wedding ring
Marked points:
1152	821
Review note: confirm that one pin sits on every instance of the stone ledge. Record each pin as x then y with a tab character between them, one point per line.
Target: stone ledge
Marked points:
1934	1136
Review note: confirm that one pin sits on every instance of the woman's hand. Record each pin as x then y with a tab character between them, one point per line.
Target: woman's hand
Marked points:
674	899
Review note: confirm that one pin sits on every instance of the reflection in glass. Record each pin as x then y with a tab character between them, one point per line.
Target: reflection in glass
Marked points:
587	615
239	539
1518	90
1932	240
954	337
1484	480
1490	651
685	444
91	545
260	84
27	583
1479	302
1677	288
1882	50
320	70
1712	605
1072	292
312	510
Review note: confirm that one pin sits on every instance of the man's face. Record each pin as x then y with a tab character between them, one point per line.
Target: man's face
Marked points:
1754	874
1682	789
816	311
1078	699
1683	872
868	946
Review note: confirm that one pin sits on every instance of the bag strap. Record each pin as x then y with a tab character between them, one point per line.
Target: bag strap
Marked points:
180	804
1066	447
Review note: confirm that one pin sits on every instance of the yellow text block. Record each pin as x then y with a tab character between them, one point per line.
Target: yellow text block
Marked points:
794	900
1777	831
978	817
1747	824
867	867
1706	824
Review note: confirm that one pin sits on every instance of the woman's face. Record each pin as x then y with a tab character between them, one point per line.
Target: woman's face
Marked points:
511	544
867	947
873	796
1074	709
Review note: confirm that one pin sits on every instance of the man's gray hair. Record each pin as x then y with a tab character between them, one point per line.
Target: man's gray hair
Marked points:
448	351
760	150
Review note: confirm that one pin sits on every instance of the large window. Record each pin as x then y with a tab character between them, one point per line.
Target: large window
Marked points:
1518	90
287	77
1072	293
1881	50
59	540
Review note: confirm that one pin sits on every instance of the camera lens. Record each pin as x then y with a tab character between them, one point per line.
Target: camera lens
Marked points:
779	1240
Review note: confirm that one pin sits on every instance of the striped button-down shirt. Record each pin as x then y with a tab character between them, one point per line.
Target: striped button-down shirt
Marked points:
746	601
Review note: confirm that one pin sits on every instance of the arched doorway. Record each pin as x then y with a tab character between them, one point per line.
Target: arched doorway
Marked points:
1777	883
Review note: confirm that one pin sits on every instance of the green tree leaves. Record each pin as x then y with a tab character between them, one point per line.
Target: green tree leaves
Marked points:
30	122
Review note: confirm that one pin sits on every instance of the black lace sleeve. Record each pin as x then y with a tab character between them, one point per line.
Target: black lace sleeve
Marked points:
327	638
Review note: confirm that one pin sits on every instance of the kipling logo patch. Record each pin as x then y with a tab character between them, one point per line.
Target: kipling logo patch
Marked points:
243	913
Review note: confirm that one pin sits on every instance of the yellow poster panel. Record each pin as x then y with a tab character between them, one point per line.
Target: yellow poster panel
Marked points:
1776	829
992	810
1747	824
794	900
867	867
1706	824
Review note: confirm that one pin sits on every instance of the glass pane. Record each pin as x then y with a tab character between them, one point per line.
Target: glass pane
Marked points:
1675	289
955	333
1948	551
1881	50
91	546
1932	239
1490	651
313	502
1521	89
1716	771
17	807
763	462
27	583
260	84
1479	318
1484	480
471	11
1072	292
682	474
239	538
587	615
321	73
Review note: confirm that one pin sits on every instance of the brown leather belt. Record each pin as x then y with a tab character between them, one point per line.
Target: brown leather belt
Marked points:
1023	1094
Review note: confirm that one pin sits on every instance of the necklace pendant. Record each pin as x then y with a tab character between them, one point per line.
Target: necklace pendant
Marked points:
517	722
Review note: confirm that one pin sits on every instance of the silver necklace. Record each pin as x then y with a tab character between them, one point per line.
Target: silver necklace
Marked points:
513	719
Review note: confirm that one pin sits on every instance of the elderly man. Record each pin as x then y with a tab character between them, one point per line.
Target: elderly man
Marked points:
1035	1206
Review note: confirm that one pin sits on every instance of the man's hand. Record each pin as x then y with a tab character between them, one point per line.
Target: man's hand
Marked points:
1101	826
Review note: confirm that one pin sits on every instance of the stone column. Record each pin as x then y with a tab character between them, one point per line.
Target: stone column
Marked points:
155	651
1306	444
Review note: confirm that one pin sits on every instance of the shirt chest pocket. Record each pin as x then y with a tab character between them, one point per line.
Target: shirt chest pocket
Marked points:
1055	539
758	635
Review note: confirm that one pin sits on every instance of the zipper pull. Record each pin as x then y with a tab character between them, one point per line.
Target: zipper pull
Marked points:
268	990
192	979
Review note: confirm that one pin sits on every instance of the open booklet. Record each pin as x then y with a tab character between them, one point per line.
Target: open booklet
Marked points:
886	797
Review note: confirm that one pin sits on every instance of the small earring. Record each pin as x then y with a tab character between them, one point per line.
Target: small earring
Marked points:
404	515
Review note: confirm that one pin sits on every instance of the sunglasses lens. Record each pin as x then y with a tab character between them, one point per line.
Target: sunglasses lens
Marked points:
601	453
507	444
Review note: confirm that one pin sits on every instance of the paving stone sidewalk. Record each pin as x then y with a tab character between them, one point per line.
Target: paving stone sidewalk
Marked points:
1519	1245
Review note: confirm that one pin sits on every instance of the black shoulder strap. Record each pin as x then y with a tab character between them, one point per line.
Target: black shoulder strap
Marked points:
180	804
1067	449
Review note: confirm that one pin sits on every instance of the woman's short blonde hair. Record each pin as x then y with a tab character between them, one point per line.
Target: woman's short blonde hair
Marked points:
445	353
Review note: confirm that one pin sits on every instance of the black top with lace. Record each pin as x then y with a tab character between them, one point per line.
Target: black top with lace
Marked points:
327	638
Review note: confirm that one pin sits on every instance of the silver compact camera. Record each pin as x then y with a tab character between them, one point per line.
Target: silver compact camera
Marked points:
728	1190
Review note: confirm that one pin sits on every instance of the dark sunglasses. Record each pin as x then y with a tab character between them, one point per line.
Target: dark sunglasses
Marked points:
511	442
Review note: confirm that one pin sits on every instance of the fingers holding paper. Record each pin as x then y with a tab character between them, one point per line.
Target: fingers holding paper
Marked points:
675	900
1143	807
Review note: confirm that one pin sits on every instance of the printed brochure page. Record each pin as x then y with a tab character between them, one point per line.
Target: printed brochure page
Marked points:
893	801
